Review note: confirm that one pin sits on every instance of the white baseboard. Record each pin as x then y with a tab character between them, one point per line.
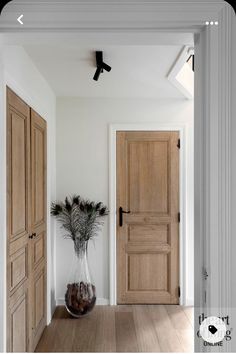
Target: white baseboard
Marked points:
100	301
189	302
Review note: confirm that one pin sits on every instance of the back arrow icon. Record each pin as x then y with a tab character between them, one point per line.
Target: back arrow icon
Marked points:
19	19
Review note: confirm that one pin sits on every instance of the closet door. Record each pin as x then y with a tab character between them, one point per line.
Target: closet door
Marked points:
18	222
26	225
38	226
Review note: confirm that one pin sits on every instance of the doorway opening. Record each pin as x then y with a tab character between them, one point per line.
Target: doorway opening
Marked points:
184	206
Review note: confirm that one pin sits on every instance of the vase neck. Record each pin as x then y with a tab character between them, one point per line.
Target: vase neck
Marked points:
81	249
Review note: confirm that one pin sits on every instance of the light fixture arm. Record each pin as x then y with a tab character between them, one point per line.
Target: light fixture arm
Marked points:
100	65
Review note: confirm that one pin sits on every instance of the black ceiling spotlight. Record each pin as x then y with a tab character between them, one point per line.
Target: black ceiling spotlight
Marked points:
100	65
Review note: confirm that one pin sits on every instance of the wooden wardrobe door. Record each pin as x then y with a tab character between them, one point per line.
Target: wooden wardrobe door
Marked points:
18	222
148	240
26	225
38	226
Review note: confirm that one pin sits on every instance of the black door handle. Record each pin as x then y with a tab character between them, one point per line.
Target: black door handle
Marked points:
33	235
121	212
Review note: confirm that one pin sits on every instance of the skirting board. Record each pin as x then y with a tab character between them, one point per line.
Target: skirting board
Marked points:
103	302
100	301
189	302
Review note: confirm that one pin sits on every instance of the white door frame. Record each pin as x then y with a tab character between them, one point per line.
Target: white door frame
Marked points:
183	202
140	21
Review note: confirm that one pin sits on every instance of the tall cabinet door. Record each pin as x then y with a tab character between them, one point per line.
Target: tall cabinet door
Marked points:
18	222
38	225
26	225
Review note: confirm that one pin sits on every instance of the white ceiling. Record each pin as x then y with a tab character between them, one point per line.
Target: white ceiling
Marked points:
137	71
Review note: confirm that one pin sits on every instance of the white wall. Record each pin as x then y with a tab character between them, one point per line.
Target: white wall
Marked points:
82	167
18	72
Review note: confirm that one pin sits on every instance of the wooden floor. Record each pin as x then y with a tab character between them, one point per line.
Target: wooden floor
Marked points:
126	328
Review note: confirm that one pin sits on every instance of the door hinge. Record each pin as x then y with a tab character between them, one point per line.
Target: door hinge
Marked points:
178	291
178	216
178	144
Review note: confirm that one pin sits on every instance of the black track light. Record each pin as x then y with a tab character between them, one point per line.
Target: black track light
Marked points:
100	65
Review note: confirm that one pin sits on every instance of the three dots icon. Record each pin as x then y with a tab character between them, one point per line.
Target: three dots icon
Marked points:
211	23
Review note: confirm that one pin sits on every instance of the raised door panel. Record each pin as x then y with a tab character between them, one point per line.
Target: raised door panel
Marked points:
19	327
147	243
141	276
38	168
148	167
18	150
38	250
18	267
18	321
38	301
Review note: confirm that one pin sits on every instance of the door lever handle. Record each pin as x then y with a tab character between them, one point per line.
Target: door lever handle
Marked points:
121	212
32	235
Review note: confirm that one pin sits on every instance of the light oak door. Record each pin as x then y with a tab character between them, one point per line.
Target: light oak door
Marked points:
38	281
18	222
148	223
26	225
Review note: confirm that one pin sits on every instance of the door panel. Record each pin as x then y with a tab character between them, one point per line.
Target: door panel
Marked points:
38	226
38	138
18	126
148	165
148	241
38	297
18	267
38	249
18	319
18	220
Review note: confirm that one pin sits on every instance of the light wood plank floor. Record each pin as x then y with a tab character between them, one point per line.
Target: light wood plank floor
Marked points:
124	328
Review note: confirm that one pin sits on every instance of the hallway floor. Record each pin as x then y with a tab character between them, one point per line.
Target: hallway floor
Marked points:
126	328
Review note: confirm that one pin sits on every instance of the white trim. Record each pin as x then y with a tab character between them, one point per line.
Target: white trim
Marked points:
100	301
112	200
180	61
189	302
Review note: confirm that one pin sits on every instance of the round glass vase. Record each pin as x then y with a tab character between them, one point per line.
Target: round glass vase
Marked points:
80	297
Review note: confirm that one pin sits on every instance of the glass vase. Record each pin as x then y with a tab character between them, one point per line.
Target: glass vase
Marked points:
80	297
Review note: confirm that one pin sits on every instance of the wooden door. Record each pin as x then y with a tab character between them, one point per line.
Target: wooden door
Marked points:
148	240
26	225
18	221
38	280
